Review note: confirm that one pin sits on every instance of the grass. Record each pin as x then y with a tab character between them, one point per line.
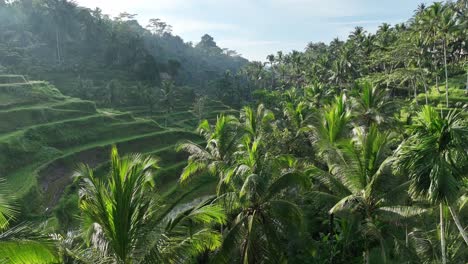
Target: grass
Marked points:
457	96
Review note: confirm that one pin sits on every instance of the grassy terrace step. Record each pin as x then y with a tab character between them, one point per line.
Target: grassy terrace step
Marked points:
36	144
22	179
67	104
55	175
22	120
32	93
24	147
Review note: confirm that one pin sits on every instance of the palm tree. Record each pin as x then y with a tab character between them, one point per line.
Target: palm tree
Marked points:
420	9
361	183
127	222
446	26
216	157
167	98
438	22
21	243
263	212
331	128
434	157
271	60
372	106
199	107
316	93
256	122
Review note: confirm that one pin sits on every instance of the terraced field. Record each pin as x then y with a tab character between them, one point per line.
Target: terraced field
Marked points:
457	96
43	135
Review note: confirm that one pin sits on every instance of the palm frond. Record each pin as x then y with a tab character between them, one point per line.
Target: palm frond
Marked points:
22	244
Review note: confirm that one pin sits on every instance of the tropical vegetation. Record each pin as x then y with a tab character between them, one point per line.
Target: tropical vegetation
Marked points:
354	151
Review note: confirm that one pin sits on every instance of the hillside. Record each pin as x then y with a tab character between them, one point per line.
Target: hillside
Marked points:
44	135
83	51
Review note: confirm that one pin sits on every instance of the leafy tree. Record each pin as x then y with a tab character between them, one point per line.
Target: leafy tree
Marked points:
263	212
361	183
434	157
167	98
215	157
372	106
128	223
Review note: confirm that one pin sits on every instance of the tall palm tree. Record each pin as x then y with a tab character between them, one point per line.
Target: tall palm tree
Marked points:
261	207
372	106
167	98
216	157
438	22
446	26
21	243
271	59
331	128
361	183
128	223
434	157
256	122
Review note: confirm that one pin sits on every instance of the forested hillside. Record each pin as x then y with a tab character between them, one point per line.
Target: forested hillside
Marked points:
91	55
144	149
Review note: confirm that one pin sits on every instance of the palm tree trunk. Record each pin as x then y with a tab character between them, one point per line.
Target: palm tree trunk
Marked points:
442	234
406	235
466	87
456	219
366	256
415	94
57	45
446	74
425	92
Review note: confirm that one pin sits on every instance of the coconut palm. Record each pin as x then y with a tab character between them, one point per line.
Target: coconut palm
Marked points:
261	207
215	158
438	21
315	93
371	105
21	243
256	122
446	26
127	222
330	128
167	98
361	184
434	158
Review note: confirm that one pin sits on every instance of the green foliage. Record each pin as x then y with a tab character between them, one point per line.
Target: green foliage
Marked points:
322	168
435	155
21	243
92	56
124	214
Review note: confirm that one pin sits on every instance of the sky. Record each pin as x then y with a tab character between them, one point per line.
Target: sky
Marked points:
256	28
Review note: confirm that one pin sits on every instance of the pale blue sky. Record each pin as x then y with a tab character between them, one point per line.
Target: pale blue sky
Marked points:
256	28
